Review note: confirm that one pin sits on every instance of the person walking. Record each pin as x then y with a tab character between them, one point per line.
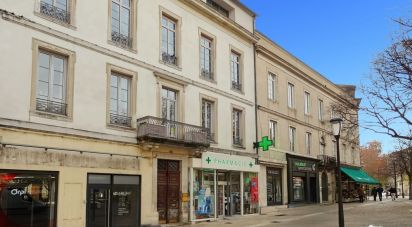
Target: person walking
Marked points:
392	190
380	191
361	194
374	193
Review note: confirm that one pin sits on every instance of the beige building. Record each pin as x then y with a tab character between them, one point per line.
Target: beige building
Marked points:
131	111
295	104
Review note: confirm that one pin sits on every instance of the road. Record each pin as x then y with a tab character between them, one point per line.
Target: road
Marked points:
369	214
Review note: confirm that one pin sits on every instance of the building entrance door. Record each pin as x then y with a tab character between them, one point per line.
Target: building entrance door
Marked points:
273	186
99	206
168	191
324	187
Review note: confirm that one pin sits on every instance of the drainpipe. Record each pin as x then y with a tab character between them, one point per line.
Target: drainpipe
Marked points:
256	105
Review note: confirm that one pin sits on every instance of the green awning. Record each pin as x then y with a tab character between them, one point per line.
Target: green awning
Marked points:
359	175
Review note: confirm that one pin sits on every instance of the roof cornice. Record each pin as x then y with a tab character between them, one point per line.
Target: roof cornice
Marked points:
227	23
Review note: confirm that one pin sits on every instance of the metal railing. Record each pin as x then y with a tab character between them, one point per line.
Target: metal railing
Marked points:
120	120
51	106
206	74
169	59
172	131
237	141
236	85
121	40
327	160
54	12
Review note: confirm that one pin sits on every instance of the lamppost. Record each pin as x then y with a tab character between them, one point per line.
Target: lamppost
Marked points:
336	129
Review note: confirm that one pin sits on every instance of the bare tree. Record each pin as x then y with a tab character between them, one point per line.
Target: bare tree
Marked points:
403	159
388	97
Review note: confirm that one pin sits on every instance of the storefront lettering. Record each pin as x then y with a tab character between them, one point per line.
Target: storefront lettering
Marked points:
16	191
228	162
304	166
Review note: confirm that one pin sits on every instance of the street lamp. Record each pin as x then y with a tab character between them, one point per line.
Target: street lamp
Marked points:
336	129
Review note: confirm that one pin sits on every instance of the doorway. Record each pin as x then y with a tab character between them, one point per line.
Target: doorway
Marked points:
168	191
325	187
274	186
113	200
312	188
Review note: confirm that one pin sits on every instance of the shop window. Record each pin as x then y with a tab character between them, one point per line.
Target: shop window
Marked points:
113	200
28	199
250	193
204	194
298	186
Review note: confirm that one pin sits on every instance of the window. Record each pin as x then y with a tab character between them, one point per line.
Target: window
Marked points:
51	83
120	100
236	127
235	70
334	148
169	27
56	9
28	197
322	146
292	138
218	8
169	104
272	131
207	116
206	46
291	101
121	23
320	110
308	143
307	103
271	86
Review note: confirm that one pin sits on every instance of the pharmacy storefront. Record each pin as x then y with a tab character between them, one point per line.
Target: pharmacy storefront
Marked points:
223	185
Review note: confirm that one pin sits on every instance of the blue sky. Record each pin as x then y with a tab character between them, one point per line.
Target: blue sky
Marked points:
339	39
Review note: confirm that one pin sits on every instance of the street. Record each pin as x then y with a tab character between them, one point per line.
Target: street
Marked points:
377	214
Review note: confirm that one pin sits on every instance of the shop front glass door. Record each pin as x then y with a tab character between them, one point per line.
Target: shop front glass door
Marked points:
273	186
113	201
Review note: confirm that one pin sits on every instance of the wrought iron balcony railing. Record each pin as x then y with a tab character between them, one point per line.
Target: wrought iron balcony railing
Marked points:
206	74
121	40
162	130
51	106
237	141
54	12
236	85
169	59
120	120
327	160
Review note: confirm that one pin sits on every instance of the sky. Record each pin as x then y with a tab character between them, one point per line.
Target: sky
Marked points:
339	39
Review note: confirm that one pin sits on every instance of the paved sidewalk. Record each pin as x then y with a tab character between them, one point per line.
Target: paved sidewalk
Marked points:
383	214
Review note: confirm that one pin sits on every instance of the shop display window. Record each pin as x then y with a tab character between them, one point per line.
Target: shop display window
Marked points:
204	193
28	199
250	193
298	188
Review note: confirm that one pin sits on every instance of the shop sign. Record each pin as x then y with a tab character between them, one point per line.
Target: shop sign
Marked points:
213	160
16	191
273	171
301	165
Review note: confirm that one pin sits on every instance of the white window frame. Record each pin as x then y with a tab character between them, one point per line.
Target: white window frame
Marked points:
204	40
308	143
166	100
50	83
320	109
129	28
307	107
119	78
237	125
169	31
235	64
273	131
292	138
291	95
207	105
271	86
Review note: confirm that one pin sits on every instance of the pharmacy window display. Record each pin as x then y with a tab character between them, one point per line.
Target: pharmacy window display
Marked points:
250	193
204	194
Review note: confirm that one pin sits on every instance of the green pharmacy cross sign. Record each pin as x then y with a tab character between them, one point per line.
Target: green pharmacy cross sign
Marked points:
265	143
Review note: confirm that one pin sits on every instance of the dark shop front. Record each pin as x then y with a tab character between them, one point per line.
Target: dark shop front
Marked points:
303	181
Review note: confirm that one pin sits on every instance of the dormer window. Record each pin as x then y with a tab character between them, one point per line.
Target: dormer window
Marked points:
216	6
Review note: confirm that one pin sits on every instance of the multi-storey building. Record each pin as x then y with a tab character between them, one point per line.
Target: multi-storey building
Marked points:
126	111
295	104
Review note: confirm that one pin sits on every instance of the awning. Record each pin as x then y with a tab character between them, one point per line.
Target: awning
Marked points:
359	175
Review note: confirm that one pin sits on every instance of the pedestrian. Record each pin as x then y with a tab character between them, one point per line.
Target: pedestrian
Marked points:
361	194
392	190
374	193
380	191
